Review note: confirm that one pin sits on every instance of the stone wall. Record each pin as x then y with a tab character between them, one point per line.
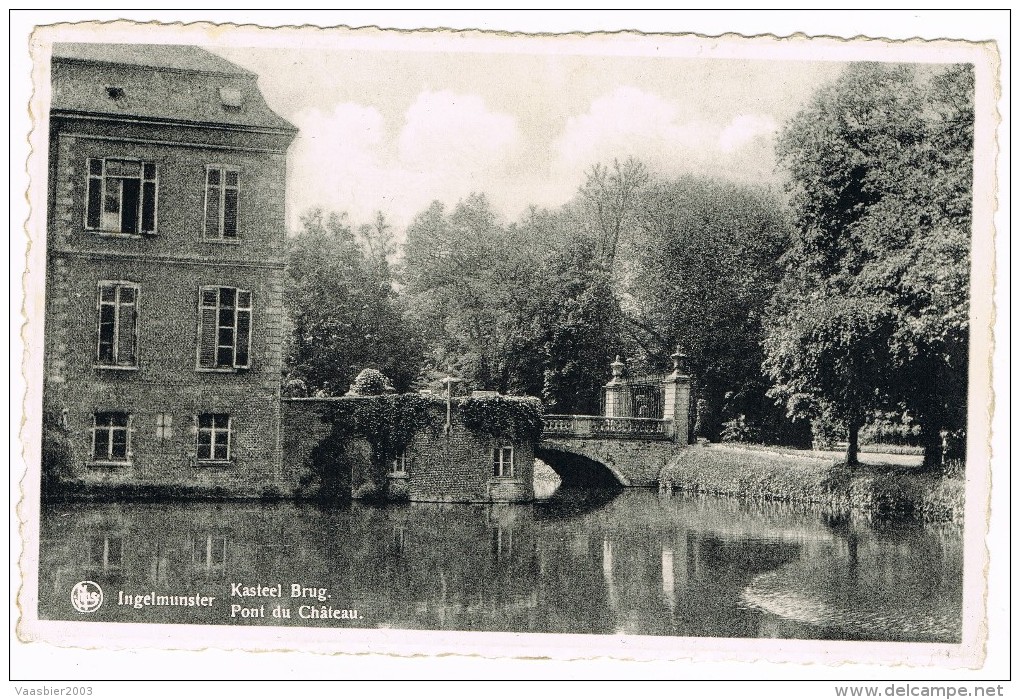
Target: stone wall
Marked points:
165	391
459	467
631	462
438	467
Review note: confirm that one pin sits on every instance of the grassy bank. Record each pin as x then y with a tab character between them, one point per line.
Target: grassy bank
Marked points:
792	475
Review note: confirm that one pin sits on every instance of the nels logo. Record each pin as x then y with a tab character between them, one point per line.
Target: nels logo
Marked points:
86	596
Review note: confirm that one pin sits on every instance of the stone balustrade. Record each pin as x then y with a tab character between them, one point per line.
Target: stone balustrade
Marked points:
606	427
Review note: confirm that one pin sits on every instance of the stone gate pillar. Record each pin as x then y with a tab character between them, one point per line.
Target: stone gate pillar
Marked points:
676	399
614	391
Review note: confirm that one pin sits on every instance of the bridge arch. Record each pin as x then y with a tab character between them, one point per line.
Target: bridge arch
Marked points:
577	469
605	461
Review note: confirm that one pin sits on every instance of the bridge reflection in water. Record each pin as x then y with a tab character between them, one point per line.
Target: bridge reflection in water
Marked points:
631	562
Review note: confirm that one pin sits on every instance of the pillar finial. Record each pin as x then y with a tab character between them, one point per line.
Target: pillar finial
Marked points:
679	360
617	366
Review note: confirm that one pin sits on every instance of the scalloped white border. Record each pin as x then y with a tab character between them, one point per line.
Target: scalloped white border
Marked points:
500	645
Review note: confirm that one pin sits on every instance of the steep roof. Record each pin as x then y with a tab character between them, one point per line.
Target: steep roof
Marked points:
164	82
169	56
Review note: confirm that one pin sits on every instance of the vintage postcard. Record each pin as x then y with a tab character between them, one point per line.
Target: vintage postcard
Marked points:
636	346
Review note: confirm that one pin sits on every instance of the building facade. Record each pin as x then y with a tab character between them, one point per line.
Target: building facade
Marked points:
438	465
165	268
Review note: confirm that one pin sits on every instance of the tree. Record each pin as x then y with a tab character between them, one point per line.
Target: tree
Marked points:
473	284
707	266
880	170
579	327
608	199
377	240
829	358
344	312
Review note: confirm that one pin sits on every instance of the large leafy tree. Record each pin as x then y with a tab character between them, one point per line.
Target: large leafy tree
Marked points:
606	205
580	328
473	285
707	266
880	172
835	353
526	307
345	314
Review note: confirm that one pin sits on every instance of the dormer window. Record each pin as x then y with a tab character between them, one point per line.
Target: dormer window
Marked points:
230	98
114	92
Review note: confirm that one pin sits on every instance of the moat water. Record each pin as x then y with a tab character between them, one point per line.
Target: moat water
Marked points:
592	562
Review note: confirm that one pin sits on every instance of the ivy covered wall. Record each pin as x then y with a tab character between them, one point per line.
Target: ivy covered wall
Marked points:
338	447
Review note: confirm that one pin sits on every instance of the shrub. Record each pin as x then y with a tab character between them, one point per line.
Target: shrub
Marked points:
503	417
737	430
370	382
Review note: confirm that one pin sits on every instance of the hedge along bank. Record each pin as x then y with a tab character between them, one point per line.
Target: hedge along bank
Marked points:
401	447
745	472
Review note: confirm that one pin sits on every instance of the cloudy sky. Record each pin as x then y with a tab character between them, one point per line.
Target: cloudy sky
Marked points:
393	130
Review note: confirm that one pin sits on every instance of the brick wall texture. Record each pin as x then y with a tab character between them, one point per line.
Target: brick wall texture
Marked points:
442	468
168	268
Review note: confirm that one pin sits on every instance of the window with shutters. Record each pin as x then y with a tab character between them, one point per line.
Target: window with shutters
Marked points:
215	437
503	461
111	438
224	331
222	184
118	325
121	196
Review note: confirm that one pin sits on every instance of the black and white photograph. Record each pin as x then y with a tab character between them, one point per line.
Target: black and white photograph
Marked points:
433	342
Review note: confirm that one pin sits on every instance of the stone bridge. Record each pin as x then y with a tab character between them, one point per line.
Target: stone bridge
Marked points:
623	447
607	451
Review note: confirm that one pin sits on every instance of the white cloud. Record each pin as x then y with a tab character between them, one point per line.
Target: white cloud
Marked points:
336	160
744	129
350	160
447	145
626	122
449	132
631	122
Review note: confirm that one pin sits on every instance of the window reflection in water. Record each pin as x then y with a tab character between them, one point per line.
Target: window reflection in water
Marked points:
209	554
502	543
398	540
105	553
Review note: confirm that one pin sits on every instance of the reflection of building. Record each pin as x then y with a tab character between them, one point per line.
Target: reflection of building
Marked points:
165	239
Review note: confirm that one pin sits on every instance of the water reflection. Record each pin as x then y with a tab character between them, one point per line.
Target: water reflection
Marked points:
632	562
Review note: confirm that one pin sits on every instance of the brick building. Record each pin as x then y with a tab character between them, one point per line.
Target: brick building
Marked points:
464	467
437	466
165	268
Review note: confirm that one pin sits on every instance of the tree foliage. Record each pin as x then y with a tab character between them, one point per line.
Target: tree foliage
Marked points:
607	204
579	328
474	284
388	423
880	172
344	311
835	352
707	266
510	418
